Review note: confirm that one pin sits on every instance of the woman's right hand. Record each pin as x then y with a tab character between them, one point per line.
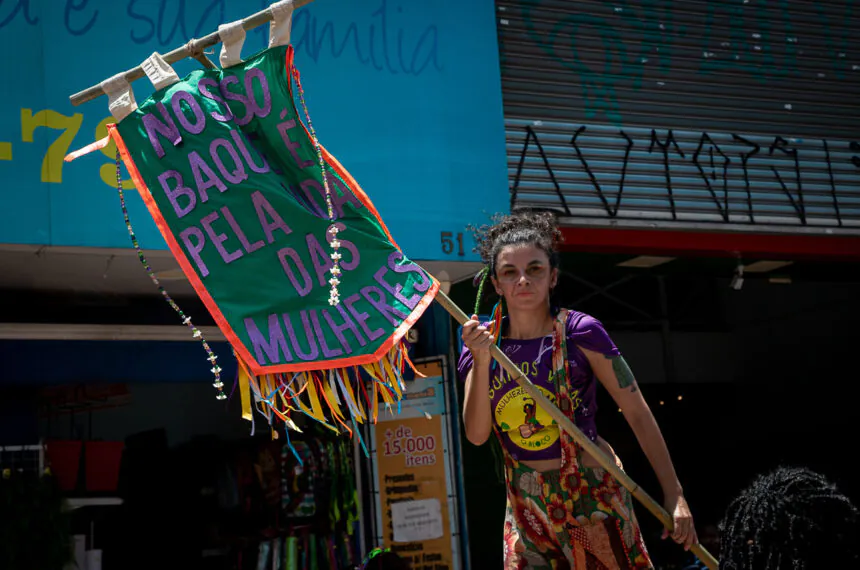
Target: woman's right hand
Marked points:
477	339
477	416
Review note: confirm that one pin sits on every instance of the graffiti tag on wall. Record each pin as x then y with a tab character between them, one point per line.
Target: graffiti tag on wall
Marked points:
728	177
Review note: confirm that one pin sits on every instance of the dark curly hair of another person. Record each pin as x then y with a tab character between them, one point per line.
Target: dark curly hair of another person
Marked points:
790	519
519	228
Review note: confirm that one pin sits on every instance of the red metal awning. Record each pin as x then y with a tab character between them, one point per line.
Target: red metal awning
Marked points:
703	243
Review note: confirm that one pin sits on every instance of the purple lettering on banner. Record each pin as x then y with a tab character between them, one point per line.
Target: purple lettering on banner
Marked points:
343	196
167	129
292	145
313	350
234	225
303	288
274	347
194	249
397	267
319	257
237	175
173	194
345	243
306	185
204	86
396	290
218	239
199	168
361	318
327	352
355	256
199	118
295	191
257	74
265	209
238	97
338	330
376	297
243	148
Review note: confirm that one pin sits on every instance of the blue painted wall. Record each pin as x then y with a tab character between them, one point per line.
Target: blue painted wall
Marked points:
406	94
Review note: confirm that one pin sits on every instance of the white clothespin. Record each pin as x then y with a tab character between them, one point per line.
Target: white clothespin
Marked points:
232	37
159	72
281	24
121	101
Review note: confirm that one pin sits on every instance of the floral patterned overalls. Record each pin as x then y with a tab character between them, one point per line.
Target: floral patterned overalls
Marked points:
575	517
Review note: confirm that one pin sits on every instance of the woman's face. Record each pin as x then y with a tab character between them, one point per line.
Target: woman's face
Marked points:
524	277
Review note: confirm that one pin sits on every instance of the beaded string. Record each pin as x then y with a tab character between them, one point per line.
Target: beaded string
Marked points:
186	320
334	295
482	278
496	314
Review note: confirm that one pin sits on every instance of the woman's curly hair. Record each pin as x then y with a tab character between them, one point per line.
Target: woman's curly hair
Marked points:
520	228
790	519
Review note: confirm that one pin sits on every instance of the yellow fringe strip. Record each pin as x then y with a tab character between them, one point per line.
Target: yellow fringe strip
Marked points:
375	402
331	400
353	404
245	394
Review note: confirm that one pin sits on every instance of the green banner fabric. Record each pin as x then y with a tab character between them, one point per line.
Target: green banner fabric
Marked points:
233	176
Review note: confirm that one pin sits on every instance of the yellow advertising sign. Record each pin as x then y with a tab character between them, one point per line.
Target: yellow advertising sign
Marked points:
411	470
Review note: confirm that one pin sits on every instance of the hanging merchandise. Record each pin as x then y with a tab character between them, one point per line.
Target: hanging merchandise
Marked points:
297	511
35	526
298	497
263	557
281	244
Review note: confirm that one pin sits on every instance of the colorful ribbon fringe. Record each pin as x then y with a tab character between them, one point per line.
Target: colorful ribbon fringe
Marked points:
338	399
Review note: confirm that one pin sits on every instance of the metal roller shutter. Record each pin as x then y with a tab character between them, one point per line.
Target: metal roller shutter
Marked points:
735	116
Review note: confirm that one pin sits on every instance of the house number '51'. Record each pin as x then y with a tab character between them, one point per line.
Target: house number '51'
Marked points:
448	243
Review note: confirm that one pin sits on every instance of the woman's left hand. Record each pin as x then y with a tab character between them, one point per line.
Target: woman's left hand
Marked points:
684	531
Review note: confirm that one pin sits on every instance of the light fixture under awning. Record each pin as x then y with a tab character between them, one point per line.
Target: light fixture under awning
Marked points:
765	266
645	261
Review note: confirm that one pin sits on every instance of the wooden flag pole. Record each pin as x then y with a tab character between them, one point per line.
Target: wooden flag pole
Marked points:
194	49
564	422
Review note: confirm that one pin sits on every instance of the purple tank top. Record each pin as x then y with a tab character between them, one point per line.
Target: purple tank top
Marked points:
528	432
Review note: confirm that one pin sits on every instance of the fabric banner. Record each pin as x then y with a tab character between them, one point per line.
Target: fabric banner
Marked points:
282	245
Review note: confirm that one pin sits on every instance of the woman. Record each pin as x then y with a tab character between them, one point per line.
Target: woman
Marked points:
563	510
